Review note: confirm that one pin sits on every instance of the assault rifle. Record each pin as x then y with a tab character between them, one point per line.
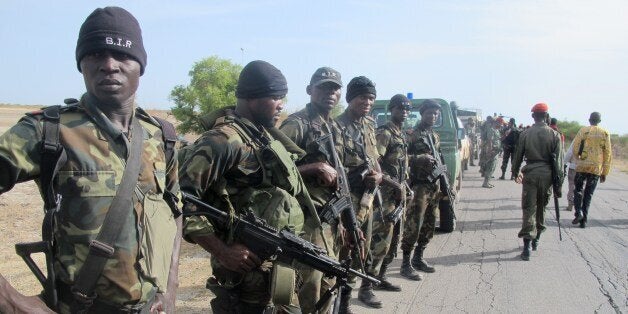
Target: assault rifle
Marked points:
340	204
440	173
556	186
46	246
269	244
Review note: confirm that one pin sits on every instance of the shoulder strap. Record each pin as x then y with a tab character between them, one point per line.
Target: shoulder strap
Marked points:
52	155
169	137
101	249
170	140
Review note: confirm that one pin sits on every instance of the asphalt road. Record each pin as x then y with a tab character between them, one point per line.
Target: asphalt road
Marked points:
479	269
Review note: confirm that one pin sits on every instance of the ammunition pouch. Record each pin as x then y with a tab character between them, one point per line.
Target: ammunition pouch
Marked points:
282	284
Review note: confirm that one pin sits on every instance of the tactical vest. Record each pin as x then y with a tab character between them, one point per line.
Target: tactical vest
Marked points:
274	199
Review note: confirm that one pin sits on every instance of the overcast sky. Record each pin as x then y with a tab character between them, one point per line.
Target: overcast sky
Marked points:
498	56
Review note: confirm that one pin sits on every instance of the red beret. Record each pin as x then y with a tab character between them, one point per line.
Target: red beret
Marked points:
540	107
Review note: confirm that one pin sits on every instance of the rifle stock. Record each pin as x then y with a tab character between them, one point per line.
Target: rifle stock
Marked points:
269	244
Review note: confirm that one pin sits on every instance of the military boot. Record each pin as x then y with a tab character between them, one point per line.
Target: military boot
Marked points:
525	255
419	263
366	295
345	304
569	207
486	184
535	242
384	283
503	177
407	270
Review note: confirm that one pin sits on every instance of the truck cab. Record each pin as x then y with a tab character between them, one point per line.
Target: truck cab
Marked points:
451	132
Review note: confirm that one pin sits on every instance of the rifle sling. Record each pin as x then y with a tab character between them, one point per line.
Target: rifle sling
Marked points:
101	249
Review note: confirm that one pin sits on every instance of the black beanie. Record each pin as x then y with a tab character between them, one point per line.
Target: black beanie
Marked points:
358	86
398	100
111	28
261	79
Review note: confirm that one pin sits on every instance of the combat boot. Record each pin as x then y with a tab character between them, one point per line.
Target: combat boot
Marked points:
525	255
578	218
569	207
366	295
384	283
503	177
407	270
486	184
345	304
419	263
535	242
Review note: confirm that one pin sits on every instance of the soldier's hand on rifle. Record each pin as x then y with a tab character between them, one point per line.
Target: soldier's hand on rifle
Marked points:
238	258
11	301
373	179
322	171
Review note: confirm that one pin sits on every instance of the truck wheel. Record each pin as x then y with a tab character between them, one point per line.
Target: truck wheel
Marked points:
447	217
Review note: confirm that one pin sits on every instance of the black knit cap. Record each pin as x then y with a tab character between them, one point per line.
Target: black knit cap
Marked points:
398	100
261	79
427	104
111	28
358	86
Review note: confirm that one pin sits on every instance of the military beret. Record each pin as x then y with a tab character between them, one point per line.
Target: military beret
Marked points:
540	107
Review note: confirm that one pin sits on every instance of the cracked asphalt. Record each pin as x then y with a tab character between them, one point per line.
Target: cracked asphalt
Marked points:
478	268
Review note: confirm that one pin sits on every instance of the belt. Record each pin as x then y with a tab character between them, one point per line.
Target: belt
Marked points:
103	307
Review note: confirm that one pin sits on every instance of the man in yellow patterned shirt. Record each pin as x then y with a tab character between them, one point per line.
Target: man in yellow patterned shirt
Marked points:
592	147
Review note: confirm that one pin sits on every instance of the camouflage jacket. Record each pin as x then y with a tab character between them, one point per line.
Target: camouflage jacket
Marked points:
235	167
304	128
492	142
393	147
87	183
419	149
359	141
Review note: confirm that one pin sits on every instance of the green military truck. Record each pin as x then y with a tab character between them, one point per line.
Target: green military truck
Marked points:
451	132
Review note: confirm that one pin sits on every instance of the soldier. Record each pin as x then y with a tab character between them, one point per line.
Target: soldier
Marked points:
537	144
239	167
392	146
420	219
593	163
509	141
360	160
473	140
306	128
486	126
490	149
113	197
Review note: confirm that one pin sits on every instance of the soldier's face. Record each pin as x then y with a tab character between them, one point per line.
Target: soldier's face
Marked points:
266	111
111	77
324	96
399	114
429	116
361	105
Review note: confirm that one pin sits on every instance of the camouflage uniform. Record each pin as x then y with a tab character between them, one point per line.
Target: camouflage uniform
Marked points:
490	148
87	183
420	219
304	128
359	148
536	144
392	146
237	167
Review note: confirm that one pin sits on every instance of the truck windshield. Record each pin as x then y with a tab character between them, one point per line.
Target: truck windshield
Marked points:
414	116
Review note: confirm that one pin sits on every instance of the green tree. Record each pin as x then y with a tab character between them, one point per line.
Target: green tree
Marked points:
338	109
212	86
569	129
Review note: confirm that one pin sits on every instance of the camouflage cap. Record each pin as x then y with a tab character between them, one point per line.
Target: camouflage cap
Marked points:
324	75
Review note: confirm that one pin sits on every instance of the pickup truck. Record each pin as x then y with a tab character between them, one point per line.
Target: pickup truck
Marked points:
451	135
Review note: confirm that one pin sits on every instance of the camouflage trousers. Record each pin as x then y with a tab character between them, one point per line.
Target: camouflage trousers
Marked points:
487	166
536	193
365	223
315	283
420	217
248	293
385	238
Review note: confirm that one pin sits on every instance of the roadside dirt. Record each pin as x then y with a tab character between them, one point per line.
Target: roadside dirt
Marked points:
21	215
